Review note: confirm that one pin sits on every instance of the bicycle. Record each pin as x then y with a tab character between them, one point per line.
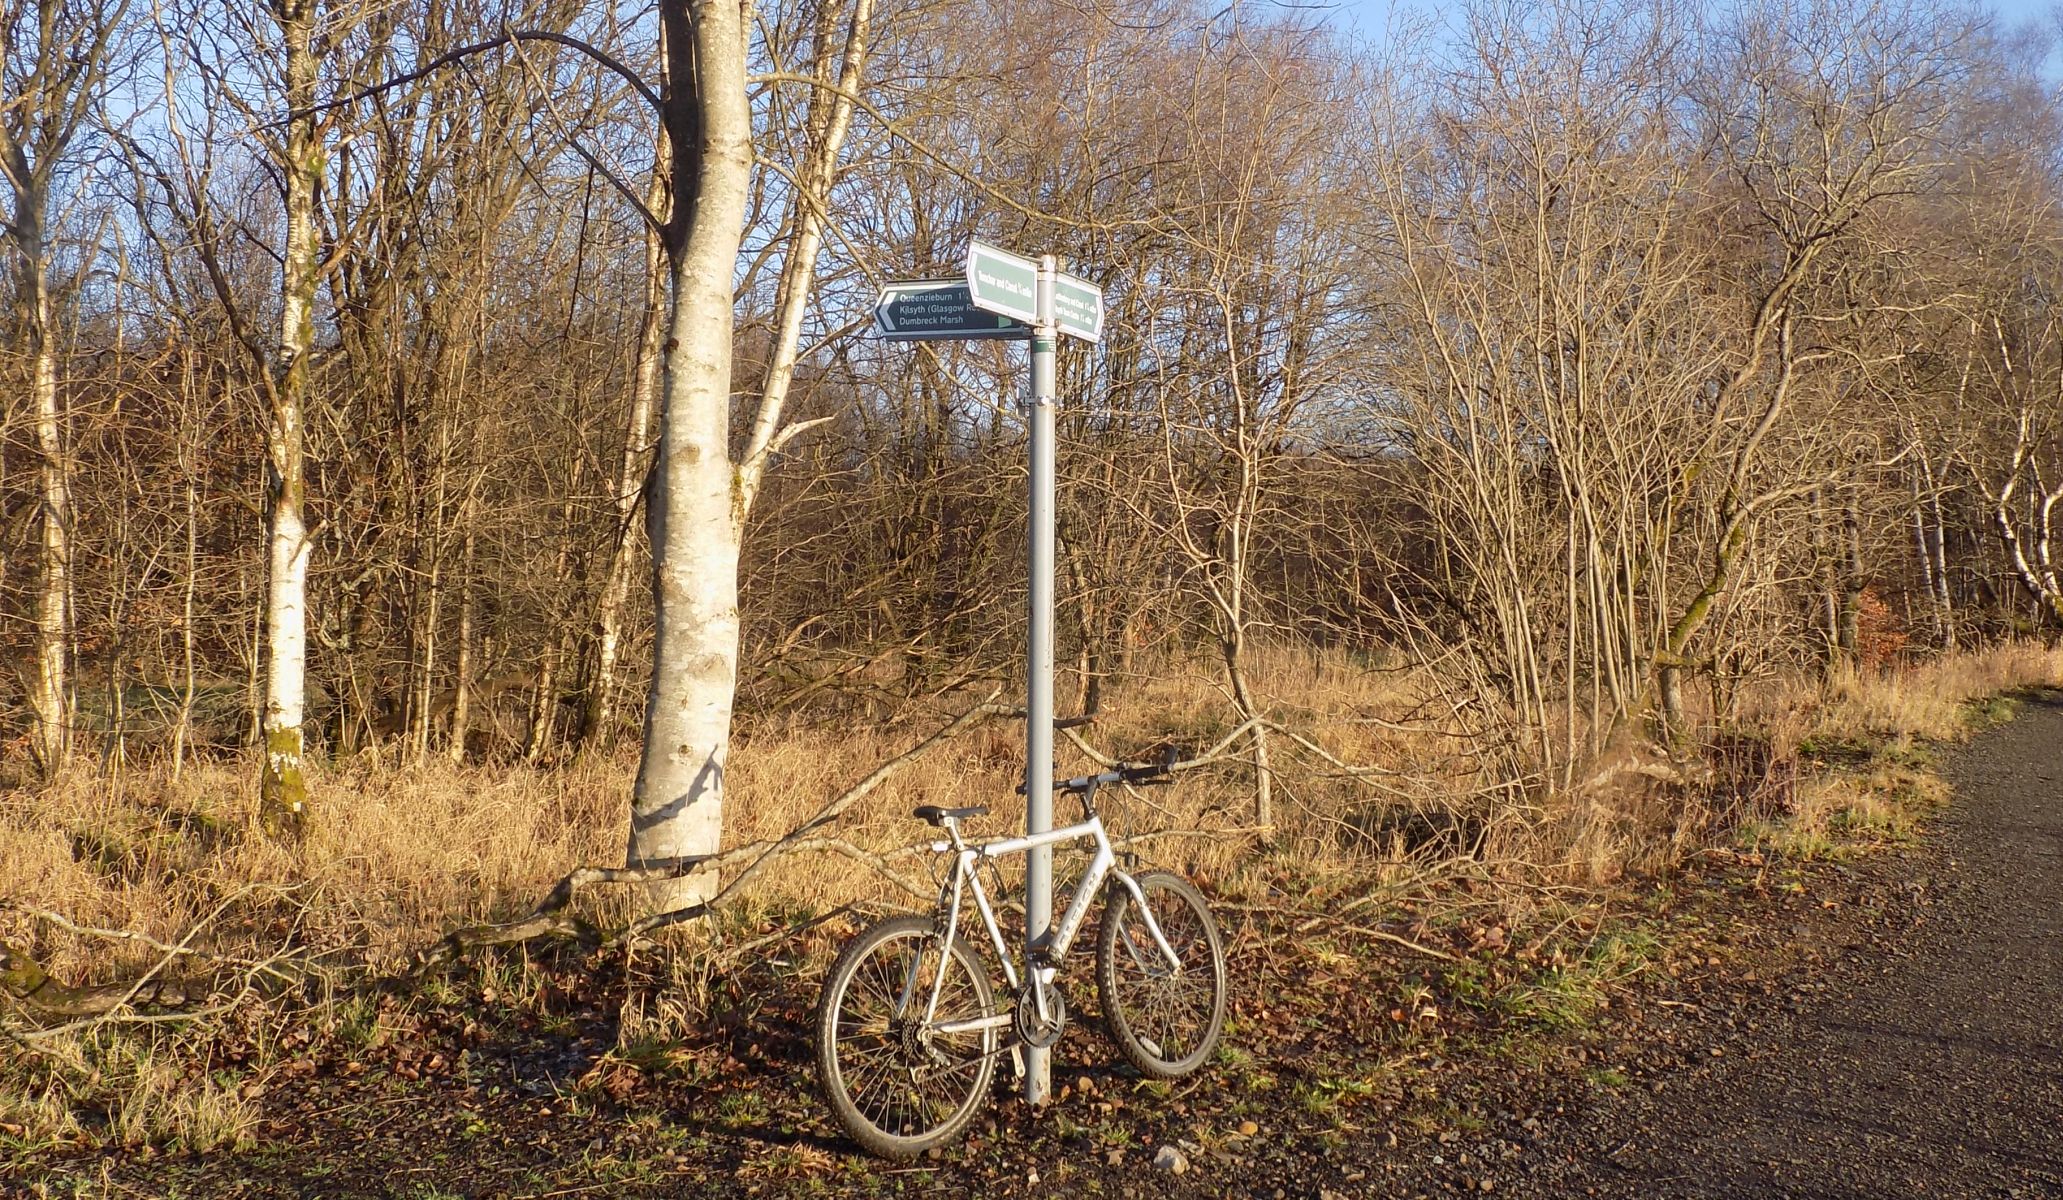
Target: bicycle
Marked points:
908	1028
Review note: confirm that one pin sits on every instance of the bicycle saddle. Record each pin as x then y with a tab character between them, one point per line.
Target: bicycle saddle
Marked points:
937	816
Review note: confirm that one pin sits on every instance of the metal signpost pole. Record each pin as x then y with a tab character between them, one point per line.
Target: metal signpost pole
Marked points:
1038	673
1003	294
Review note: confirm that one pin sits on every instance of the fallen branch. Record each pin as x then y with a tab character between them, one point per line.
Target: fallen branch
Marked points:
25	980
550	920
1329	919
28	984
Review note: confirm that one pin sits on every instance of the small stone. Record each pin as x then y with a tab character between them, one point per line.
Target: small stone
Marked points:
1248	1129
1171	1159
1115	1158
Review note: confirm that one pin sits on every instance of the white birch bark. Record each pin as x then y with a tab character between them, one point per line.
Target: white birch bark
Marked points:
830	122
701	498
53	630
695	516
283	792
2037	574
598	719
41	110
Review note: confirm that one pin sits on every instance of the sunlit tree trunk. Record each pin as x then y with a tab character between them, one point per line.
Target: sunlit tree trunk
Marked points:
598	714
695	515
50	696
55	55
283	789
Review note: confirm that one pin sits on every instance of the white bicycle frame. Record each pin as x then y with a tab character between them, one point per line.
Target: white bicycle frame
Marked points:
1054	946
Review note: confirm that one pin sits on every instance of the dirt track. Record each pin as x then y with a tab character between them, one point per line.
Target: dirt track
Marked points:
1925	1061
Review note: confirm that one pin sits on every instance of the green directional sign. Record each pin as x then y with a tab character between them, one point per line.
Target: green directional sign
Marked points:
1078	308
1002	282
925	310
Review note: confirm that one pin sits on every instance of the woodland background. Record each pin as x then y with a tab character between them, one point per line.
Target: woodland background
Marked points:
1508	430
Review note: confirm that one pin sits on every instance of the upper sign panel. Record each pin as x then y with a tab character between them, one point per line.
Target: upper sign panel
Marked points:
1002	282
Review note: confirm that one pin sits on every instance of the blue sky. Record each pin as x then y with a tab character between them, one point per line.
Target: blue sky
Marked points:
1369	13
1368	16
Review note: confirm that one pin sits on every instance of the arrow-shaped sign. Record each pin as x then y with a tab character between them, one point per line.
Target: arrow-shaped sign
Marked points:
1078	307
925	310
1007	283
1002	282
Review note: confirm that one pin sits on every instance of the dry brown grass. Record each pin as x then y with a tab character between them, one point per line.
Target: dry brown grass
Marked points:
404	852
1929	700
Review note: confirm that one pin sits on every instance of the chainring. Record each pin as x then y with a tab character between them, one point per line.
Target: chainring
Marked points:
1033	1032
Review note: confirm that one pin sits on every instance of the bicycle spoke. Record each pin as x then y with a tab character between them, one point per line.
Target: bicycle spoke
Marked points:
1168	1008
904	1078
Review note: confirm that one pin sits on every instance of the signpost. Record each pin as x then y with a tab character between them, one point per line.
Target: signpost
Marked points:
1001	290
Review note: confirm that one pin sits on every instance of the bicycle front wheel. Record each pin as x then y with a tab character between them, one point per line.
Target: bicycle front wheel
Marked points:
897	1084
1166	1017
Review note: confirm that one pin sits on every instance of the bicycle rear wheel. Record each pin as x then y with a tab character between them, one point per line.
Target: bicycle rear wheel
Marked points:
1165	1021
897	1085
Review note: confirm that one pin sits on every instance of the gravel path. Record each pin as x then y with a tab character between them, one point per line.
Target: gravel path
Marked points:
1925	1062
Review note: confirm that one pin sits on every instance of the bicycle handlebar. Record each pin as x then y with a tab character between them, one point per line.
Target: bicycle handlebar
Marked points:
1144	774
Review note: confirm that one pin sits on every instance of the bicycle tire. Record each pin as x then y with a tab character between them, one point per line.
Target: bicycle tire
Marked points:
859	1065
1165	1024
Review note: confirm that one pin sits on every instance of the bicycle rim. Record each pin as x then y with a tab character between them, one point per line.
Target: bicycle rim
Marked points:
1165	1022
898	1085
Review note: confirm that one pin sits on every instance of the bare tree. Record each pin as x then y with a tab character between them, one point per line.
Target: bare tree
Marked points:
53	60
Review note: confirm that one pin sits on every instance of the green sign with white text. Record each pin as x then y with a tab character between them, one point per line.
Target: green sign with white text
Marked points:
1001	282
1078	308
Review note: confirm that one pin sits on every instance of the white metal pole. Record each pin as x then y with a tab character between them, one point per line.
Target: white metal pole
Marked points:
1038	673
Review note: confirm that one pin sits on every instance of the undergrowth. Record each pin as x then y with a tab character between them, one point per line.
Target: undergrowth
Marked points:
404	851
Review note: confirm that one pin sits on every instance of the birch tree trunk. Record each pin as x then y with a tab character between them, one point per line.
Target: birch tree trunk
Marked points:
696	514
2036	572
598	715
828	123
462	687
700	496
51	690
52	74
283	789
